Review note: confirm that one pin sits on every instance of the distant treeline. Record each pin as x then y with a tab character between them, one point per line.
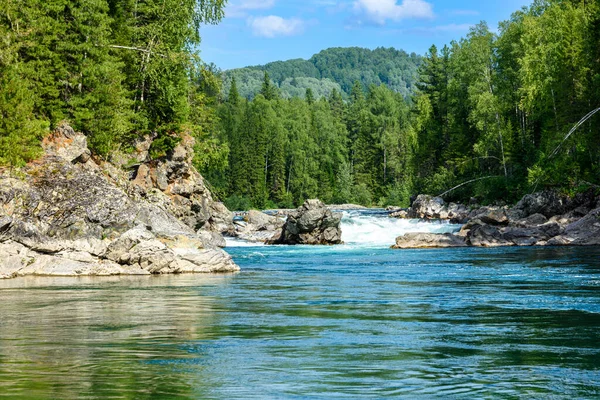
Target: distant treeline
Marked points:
332	69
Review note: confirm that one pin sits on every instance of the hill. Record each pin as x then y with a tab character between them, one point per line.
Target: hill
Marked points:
334	68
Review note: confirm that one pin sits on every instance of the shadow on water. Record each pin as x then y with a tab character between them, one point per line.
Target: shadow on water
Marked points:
302	322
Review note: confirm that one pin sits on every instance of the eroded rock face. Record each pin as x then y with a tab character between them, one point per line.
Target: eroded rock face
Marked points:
175	185
312	223
67	215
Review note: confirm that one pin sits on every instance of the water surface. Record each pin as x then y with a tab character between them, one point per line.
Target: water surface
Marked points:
302	322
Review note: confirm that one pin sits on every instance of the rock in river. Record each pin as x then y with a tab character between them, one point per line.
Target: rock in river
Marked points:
312	223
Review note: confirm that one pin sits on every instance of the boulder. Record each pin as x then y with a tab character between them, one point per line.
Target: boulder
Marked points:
548	203
428	240
66	144
429	207
312	223
259	227
583	232
491	215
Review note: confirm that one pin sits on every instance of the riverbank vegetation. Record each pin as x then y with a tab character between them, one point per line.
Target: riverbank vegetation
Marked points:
493	110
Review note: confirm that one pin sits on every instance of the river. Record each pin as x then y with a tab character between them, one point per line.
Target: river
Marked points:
358	320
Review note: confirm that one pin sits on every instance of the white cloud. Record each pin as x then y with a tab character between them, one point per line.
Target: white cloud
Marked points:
240	9
379	11
272	26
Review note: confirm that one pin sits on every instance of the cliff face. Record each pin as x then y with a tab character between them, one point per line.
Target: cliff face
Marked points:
67	214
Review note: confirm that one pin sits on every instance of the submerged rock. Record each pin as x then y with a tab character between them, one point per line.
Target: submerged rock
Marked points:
312	223
68	215
421	240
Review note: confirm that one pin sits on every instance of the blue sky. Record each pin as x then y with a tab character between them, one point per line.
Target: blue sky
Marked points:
259	31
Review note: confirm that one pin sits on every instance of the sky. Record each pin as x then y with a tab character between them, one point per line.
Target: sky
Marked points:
256	32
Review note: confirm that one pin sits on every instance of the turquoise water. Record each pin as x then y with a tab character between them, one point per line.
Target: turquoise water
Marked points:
302	322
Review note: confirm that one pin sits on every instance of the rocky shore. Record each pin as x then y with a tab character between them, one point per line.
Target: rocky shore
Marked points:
71	214
540	219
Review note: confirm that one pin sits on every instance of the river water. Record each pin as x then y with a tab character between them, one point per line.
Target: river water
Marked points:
358	320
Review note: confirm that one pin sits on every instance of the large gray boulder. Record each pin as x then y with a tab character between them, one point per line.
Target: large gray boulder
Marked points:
584	232
429	207
548	203
312	223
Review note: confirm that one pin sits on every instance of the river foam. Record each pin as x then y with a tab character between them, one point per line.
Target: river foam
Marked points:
374	228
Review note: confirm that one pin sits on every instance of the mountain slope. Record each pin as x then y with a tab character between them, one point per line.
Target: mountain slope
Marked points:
334	68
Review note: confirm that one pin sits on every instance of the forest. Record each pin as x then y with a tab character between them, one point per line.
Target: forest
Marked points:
335	68
490	116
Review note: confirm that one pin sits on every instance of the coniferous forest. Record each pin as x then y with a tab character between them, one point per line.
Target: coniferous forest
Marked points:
493	111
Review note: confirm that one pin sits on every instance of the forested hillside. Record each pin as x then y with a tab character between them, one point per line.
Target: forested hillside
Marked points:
492	116
335	68
115	69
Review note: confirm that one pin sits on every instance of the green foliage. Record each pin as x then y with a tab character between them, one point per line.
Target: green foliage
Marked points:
238	203
335	68
163	144
114	69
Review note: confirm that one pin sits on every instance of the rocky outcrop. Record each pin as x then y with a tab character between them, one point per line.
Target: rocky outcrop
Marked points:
259	227
174	184
65	214
540	219
312	223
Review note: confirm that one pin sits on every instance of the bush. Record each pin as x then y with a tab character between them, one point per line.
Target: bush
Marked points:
165	142
238	203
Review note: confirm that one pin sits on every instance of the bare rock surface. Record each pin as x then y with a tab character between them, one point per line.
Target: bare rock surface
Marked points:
429	240
539	219
259	227
312	223
65	214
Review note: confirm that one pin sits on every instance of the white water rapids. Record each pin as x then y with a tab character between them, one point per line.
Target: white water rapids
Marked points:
377	229
373	228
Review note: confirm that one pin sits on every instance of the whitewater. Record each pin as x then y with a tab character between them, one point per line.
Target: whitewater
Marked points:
374	228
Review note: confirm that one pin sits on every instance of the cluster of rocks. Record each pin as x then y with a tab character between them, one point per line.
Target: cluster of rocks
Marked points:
67	214
544	218
313	223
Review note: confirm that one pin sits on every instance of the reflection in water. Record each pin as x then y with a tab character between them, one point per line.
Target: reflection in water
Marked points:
310	322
